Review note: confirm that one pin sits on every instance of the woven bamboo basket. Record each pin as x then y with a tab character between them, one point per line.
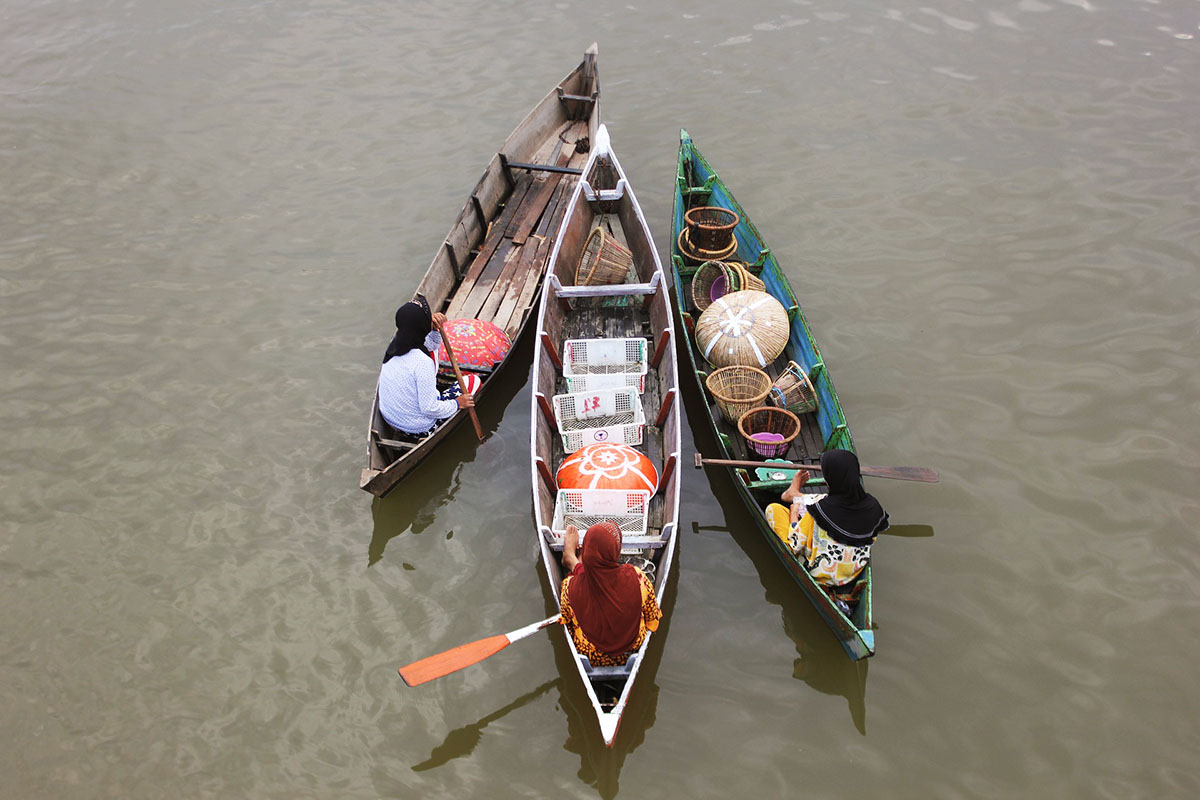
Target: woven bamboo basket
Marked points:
738	389
748	281
768	431
712	280
748	328
710	227
604	260
694	256
793	390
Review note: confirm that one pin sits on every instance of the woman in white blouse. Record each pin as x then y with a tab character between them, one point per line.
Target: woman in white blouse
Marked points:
408	395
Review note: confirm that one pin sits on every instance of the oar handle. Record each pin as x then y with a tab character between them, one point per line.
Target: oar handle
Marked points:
919	474
462	385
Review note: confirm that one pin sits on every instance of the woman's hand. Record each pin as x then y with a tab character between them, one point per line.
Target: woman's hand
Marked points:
465	401
439	319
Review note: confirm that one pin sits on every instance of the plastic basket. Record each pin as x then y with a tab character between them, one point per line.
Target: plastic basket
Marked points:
583	508
602	415
604	356
606	380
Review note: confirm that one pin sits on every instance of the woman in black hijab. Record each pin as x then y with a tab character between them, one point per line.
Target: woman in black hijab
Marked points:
408	395
413	324
833	535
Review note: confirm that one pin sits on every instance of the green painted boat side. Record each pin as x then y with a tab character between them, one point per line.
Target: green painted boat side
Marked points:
697	183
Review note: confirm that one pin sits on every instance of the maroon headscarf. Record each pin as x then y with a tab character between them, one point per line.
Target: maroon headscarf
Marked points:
606	595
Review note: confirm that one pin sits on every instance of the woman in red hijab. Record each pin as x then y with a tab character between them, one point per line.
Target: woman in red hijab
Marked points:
606	605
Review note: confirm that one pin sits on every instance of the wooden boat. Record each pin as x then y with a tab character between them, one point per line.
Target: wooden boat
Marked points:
698	185
491	263
635	308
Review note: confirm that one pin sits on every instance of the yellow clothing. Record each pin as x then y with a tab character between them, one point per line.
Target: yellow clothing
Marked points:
829	561
651	614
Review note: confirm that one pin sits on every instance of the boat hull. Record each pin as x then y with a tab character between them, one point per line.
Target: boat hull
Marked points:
697	183
492	261
639	306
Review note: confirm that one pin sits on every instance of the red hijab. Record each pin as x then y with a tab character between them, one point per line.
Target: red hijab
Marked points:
605	594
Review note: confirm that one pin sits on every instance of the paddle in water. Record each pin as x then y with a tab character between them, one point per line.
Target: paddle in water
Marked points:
454	659
920	474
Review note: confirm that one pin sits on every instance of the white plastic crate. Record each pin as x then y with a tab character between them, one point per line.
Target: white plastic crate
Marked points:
583	508
603	415
611	380
604	356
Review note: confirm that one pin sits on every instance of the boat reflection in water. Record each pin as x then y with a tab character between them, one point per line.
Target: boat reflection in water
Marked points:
600	765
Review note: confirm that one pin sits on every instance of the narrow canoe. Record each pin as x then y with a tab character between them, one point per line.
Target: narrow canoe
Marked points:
491	263
636	308
696	185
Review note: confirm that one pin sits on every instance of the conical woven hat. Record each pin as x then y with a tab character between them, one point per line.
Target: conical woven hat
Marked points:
748	328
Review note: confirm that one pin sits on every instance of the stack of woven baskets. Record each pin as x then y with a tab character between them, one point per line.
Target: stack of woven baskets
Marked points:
708	234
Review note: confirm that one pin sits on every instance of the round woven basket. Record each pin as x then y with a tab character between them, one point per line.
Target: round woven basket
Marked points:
749	281
738	389
694	256
710	227
712	280
793	390
748	328
604	260
768	431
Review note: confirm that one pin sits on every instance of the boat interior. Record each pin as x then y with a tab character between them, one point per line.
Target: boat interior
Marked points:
491	263
636	306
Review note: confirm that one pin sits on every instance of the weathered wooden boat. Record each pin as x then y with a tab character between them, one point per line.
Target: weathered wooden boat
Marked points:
491	264
697	185
628	332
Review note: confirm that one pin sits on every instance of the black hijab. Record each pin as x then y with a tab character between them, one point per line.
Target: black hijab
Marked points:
413	323
848	514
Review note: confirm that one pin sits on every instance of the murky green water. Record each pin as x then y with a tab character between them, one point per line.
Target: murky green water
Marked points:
208	212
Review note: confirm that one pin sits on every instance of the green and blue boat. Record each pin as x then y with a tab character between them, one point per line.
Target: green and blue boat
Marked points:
697	185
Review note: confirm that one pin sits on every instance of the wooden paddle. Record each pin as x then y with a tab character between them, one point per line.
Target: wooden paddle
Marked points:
921	474
465	655
462	385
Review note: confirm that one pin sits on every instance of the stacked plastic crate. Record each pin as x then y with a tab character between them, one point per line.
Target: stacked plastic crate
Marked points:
605	379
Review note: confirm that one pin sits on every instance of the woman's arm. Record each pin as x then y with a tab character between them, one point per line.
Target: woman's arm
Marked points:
425	376
651	613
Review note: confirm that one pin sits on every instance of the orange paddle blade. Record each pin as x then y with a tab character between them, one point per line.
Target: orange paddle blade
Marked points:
464	655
